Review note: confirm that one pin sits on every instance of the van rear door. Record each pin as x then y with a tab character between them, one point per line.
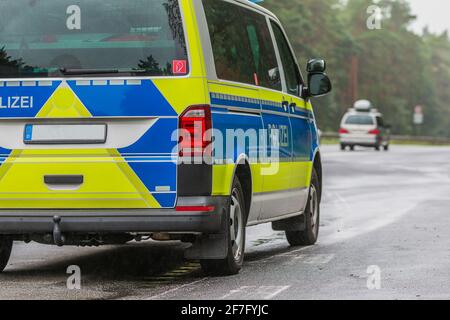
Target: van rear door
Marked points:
86	108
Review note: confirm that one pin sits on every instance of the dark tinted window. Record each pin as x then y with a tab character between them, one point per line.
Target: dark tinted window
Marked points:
380	122
38	38
292	75
242	46
359	120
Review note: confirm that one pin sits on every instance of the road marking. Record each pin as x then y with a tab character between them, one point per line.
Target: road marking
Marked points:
255	292
176	289
278	255
311	259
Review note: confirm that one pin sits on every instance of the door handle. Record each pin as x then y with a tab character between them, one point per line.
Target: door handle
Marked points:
292	106
63	180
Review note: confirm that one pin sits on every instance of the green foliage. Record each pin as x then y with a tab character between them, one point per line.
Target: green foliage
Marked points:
393	67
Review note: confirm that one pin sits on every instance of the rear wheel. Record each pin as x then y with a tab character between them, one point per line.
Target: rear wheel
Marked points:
386	147
237	221
377	148
5	251
352	148
310	234
343	146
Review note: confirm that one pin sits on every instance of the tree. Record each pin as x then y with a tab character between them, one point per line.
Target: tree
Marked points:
393	67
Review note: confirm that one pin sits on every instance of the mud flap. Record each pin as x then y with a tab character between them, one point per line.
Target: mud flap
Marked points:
291	224
209	246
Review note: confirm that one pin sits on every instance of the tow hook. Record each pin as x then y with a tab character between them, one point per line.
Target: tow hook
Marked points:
58	237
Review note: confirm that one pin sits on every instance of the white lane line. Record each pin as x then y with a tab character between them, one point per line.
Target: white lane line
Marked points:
255	292
278	255
277	292
310	259
176	289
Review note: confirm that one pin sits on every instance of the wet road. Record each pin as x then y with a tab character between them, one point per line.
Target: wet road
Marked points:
383	213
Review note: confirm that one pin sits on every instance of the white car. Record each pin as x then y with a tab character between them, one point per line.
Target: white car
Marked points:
364	126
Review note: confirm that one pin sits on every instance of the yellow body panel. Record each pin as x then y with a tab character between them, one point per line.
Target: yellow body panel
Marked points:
180	94
289	175
300	172
109	180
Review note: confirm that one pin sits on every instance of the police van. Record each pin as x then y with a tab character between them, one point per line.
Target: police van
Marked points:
171	119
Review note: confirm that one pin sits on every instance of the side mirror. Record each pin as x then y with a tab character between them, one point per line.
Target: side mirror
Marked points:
318	84
316	66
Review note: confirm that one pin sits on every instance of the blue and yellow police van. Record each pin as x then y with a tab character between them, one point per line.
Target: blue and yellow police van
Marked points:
172	119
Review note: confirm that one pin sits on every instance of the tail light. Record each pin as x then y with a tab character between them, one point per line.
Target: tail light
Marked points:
343	131
375	132
195	208
195	123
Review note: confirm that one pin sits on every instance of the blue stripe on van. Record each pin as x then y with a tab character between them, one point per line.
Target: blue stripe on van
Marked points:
156	167
227	100
166	200
139	99
4	154
160	139
234	101
303	113
156	174
24	101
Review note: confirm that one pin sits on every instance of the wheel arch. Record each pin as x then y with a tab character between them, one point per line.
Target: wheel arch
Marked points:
317	165
243	172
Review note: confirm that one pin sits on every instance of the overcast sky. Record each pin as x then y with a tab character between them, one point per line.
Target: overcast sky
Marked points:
434	13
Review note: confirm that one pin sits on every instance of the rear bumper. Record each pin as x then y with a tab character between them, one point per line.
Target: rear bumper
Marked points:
367	140
17	222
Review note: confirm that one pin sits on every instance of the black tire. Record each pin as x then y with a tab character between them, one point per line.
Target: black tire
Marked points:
352	148
343	146
386	147
5	251
377	148
236	227
310	234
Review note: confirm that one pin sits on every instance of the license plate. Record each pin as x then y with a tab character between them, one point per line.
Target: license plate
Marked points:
65	133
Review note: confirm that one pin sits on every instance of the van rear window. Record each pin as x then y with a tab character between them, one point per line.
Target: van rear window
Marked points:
42	38
359	120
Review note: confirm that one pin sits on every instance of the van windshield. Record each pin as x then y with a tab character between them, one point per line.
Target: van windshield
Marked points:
47	38
359	120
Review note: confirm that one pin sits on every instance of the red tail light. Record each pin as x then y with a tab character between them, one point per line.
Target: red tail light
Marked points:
194	125
343	131
375	132
195	208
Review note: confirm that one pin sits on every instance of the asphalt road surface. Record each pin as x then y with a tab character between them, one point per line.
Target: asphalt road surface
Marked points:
384	235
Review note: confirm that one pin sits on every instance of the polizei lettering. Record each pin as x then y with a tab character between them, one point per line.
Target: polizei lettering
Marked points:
16	102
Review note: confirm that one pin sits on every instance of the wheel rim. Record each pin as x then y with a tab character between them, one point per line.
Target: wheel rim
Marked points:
236	232
314	209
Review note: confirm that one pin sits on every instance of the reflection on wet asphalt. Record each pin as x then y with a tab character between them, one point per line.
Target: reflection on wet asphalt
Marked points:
372	214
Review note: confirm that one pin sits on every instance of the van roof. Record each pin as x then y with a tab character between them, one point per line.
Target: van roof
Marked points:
257	7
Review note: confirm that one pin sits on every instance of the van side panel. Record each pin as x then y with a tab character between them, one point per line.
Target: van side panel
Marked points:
235	108
304	143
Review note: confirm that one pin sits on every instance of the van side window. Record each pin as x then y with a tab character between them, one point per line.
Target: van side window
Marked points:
241	43
380	122
292	75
